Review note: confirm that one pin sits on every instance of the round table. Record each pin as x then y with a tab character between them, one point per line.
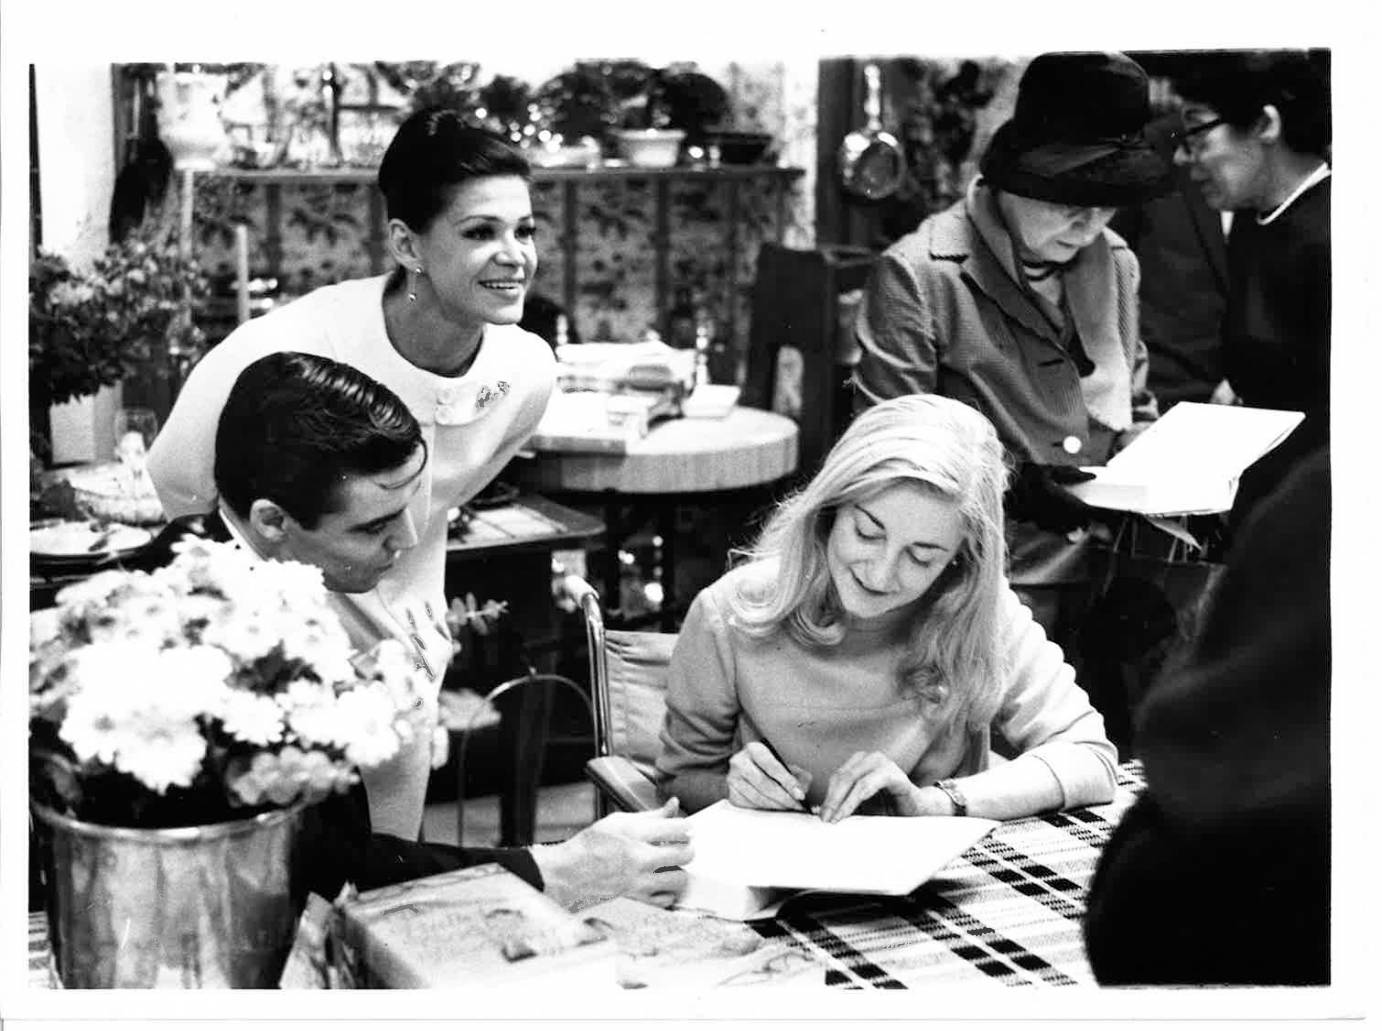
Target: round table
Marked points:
749	447
746	448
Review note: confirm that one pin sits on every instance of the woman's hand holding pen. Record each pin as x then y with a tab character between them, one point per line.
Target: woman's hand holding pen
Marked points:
867	774
760	779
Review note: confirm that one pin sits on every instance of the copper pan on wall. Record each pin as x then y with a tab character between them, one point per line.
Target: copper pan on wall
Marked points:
871	160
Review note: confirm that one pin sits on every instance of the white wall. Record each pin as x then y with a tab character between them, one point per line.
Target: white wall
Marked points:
76	174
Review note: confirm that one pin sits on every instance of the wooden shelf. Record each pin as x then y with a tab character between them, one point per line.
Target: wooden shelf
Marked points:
734	180
361	174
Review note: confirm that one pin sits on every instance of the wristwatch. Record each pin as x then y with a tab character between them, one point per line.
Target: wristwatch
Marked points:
952	791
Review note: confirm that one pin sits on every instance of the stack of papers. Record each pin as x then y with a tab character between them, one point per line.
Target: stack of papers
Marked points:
1187	462
596	422
748	860
650	365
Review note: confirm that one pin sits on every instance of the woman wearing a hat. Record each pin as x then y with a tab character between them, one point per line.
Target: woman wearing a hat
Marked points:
1020	302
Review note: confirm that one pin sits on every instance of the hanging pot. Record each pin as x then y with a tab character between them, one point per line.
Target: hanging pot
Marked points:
871	160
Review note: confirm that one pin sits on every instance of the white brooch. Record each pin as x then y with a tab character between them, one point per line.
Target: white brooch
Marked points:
488	394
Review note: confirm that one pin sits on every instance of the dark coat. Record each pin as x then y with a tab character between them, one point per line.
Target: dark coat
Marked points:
1179	242
1220	873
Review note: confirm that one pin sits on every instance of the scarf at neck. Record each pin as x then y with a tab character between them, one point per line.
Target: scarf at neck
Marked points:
1091	297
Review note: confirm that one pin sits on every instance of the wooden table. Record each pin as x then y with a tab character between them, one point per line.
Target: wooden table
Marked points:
679	460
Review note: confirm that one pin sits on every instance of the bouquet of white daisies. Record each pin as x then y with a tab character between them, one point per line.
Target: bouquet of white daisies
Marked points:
215	688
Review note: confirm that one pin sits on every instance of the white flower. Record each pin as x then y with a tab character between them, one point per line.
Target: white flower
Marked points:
161	676
291	774
256	719
160	756
371	729
311	713
321	644
243	635
136	708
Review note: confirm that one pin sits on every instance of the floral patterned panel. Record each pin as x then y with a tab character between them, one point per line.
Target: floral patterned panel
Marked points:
615	259
322	232
549	212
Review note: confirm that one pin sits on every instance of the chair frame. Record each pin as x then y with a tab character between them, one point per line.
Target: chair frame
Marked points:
621	785
526	680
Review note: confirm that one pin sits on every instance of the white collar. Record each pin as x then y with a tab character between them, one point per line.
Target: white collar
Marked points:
1320	173
237	535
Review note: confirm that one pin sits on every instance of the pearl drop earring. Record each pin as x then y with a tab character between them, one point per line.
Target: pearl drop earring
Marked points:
412	285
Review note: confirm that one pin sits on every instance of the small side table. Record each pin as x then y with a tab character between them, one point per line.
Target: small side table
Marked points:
679	460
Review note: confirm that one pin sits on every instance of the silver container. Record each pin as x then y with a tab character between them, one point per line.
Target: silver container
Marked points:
183	907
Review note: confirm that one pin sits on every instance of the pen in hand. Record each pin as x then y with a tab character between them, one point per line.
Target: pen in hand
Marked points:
801	802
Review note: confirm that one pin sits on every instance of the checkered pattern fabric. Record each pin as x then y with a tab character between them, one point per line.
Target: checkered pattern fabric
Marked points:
41	971
1006	912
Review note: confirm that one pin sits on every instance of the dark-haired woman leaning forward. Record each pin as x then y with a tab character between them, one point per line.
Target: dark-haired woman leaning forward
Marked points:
441	331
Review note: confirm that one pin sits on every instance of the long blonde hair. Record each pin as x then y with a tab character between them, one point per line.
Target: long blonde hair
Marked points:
953	660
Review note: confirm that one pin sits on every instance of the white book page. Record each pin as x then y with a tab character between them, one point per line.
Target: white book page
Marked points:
1203	441
1187	461
869	854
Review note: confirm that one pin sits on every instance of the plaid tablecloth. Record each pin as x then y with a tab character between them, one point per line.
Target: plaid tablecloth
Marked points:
1006	912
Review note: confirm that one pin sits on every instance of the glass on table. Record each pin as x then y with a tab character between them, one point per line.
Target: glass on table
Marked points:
135	429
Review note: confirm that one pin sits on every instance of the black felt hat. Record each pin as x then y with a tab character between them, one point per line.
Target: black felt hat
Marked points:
1077	135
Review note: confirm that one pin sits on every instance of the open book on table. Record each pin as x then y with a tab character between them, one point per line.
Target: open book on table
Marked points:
1188	461
749	860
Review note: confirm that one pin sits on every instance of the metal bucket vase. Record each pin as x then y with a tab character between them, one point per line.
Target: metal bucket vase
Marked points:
183	907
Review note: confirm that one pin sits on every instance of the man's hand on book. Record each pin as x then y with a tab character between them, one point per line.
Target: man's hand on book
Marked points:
637	855
1038	495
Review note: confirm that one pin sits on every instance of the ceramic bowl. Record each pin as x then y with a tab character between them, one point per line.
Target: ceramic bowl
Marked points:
649	148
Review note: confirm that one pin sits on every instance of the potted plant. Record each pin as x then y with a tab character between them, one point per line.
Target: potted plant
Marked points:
179	722
128	314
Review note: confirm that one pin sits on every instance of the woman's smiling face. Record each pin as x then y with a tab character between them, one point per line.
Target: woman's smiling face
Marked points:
886	550
479	255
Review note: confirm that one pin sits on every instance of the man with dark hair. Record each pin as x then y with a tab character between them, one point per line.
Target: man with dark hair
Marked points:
318	463
1256	139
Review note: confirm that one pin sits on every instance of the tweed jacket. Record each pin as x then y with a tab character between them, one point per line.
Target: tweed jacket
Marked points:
942	314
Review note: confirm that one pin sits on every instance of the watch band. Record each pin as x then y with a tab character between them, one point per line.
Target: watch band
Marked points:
952	791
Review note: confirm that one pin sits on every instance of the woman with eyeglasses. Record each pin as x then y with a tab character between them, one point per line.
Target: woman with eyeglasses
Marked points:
1018	301
1256	140
441	331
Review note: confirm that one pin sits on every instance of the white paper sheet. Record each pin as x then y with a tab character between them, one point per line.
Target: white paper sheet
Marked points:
745	857
1188	461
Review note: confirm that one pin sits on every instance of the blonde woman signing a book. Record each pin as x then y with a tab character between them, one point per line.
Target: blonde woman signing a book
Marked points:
871	653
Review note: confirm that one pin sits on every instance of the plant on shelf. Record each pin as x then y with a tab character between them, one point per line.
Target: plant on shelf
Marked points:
131	311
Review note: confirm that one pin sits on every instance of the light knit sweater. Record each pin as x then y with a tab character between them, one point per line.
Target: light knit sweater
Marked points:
473	425
820	704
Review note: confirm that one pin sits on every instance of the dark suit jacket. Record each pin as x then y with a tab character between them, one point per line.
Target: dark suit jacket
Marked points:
1179	243
336	844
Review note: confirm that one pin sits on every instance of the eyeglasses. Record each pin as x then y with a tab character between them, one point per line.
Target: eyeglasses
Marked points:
1190	136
